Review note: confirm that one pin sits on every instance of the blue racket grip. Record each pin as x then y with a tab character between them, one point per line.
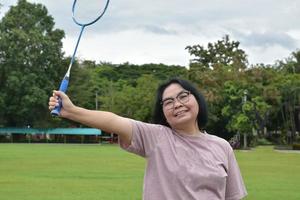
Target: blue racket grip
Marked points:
63	87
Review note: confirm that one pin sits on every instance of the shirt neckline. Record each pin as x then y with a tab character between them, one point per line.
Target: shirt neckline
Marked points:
201	135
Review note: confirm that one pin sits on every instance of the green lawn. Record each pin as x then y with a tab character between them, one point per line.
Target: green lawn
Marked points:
269	174
73	172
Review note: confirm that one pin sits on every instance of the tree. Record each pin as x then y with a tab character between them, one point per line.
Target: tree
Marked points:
221	53
30	59
289	86
133	102
291	64
237	108
210	68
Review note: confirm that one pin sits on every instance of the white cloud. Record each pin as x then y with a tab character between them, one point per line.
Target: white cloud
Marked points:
135	46
158	31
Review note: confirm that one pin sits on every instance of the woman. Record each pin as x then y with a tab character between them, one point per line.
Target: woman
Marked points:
183	162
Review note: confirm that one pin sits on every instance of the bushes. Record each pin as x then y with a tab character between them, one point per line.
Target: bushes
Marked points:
296	146
263	141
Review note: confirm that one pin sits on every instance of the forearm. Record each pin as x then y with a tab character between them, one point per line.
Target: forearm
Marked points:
106	121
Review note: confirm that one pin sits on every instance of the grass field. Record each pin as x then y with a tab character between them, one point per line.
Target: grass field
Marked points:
269	174
105	172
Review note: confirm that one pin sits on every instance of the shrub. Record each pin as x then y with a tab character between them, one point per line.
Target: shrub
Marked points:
263	141
296	146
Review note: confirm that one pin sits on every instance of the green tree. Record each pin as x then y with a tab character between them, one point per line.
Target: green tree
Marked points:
133	102
131	72
291	64
221	53
210	68
289	87
30	61
237	108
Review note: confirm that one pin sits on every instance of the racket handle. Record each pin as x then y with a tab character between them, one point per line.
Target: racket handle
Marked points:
63	87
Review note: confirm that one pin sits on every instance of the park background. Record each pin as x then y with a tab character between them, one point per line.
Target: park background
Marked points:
249	105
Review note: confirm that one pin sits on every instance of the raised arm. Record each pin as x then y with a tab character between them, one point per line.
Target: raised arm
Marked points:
105	121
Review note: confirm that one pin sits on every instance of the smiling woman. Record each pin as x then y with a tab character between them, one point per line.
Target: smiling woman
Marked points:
184	162
183	86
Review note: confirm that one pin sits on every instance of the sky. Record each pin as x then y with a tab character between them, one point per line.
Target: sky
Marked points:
157	31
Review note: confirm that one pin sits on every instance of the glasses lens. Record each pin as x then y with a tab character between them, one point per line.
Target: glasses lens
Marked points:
183	97
168	104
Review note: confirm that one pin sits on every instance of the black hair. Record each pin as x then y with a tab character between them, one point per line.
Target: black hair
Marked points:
158	115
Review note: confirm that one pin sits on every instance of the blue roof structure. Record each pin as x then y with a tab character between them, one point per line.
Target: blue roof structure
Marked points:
51	131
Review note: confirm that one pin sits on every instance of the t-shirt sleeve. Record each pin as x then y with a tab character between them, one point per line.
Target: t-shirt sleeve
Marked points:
235	188
145	137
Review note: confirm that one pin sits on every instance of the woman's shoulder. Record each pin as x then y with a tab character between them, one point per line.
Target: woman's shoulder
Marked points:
213	139
150	126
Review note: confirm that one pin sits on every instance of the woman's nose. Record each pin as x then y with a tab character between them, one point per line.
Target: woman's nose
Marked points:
177	103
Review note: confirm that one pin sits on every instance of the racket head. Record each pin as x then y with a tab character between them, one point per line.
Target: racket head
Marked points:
88	21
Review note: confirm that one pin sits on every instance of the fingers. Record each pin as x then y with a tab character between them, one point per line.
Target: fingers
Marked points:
53	100
56	97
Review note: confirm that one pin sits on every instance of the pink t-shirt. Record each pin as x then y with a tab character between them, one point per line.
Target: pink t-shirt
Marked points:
182	167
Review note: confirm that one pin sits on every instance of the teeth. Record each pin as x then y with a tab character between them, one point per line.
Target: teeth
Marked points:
179	113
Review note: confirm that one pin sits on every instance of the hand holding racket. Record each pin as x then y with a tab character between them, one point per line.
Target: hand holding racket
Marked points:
61	98
65	82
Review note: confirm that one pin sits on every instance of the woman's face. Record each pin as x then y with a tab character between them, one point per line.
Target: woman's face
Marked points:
180	107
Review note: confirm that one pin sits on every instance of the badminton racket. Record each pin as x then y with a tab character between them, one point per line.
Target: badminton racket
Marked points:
65	82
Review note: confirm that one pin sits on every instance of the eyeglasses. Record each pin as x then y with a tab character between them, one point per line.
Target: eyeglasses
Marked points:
182	97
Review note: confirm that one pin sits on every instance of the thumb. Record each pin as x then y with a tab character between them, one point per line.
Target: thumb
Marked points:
65	100
60	94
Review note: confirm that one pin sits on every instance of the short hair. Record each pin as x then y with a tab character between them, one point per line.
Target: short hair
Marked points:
158	115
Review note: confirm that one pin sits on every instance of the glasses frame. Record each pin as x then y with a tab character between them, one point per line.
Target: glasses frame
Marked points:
176	98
